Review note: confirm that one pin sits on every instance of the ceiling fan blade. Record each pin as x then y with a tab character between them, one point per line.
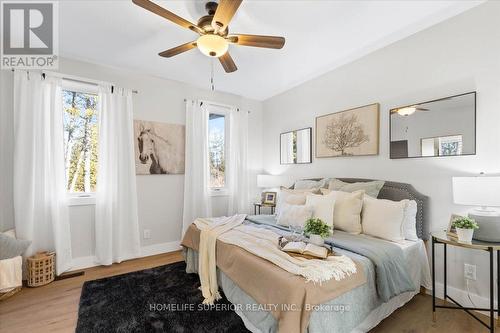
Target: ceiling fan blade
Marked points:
178	49
224	13
158	10
270	42
422	109
228	63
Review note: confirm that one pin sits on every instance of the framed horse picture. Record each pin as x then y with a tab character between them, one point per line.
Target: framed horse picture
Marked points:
159	148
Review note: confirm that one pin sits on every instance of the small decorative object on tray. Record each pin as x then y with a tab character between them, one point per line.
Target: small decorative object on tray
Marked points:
41	268
304	250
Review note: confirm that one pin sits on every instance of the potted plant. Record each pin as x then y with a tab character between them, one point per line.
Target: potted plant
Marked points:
465	228
317	230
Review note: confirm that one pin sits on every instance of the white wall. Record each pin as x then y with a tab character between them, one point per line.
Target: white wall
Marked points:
459	55
160	197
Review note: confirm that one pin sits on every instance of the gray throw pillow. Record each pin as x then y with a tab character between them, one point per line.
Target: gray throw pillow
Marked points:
306	184
11	247
371	188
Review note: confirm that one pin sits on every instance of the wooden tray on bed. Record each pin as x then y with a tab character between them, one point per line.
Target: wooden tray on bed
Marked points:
283	241
306	256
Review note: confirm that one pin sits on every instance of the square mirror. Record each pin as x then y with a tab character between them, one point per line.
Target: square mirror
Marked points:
443	127
295	146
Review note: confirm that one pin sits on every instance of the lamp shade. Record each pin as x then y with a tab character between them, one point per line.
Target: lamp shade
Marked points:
477	191
270	181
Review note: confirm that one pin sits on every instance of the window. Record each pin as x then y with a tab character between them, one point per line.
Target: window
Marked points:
81	133
217	150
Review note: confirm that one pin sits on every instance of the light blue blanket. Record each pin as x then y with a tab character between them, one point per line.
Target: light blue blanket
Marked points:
380	263
392	277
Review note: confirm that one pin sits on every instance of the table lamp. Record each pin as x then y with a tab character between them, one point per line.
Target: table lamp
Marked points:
483	192
271	181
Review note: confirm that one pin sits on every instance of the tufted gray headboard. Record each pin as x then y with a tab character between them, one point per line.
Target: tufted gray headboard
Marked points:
400	191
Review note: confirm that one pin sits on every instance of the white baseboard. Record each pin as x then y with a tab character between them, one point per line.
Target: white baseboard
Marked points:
461	297
146	251
160	248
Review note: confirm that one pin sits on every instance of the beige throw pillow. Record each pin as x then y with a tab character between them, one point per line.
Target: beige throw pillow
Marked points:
323	207
292	197
294	215
296	199
347	210
384	218
371	188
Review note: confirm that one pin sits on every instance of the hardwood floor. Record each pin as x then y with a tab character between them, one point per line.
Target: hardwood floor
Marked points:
54	308
416	317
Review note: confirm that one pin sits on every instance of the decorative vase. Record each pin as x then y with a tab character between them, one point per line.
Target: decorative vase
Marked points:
465	235
316	240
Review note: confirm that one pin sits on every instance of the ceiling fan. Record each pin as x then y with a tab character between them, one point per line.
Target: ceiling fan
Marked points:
408	110
214	34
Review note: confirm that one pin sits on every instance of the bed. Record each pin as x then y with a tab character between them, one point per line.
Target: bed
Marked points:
363	307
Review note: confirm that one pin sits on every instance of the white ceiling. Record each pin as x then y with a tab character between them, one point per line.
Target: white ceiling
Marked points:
320	36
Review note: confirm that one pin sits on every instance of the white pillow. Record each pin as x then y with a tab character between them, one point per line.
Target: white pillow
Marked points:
11	233
294	215
323	207
286	195
383	218
410	221
347	210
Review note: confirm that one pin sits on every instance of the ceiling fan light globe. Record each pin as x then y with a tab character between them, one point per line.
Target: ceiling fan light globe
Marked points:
212	45
406	111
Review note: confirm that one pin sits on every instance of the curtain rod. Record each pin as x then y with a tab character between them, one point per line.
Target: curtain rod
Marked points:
62	76
87	82
215	103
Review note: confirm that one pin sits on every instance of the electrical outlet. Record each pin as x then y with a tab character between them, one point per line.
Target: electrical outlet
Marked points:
147	233
470	272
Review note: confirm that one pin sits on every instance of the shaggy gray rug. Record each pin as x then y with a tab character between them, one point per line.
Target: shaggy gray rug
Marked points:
161	299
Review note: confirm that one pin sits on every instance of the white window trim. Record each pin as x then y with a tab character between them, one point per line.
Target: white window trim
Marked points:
80	86
223	110
81	199
72	84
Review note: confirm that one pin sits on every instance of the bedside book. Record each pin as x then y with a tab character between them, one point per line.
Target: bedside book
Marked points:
306	249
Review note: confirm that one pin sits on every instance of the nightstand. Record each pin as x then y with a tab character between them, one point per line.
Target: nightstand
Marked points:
259	205
443	238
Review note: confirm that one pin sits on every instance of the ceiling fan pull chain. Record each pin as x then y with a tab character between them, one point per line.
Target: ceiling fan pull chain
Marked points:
212	74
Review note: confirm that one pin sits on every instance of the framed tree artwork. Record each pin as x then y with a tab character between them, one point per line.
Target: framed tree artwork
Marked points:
353	132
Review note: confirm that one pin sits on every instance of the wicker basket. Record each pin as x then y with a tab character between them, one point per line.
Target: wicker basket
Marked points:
41	268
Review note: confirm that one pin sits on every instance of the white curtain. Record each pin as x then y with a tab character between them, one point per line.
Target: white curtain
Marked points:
40	198
116	218
238	177
197	201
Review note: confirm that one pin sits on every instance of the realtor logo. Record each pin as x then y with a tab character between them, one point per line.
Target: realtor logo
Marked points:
29	34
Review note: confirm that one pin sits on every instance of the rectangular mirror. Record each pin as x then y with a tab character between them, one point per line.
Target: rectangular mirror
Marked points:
295	146
443	127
